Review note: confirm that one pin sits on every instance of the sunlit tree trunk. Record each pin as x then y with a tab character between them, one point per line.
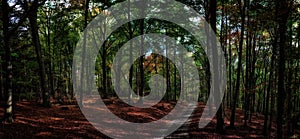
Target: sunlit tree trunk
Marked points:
7	64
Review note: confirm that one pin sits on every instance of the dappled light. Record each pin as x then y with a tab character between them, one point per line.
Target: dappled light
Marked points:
55	122
150	69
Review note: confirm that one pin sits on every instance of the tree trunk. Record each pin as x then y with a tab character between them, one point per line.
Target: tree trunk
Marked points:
37	45
2	97
247	85
272	105
252	76
168	73
51	80
230	76
7	65
130	53
237	89
290	82
265	130
82	79
213	22
104	72
282	15
209	49
141	68
174	74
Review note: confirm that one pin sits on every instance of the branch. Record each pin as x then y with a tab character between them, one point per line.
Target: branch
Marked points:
27	11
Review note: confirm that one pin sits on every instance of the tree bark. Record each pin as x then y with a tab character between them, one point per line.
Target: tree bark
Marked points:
282	20
130	55
265	130
213	22
37	45
237	89
141	65
82	79
8	118
51	79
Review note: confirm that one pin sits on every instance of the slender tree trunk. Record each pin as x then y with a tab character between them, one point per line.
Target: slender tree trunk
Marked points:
104	72
37	45
182	91
156	72
237	89
282	20
265	87
289	100
8	118
209	49
272	110
252	76
174	74
141	68
2	97
247	85
130	53
289	82
230	76
51	80
295	108
213	22
88	77
228	58
168	74
270	82
83	62
248	68
137	80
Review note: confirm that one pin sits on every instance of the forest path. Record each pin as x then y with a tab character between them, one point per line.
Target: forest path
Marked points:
66	121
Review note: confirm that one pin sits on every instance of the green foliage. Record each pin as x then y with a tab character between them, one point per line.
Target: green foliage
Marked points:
60	28
14	55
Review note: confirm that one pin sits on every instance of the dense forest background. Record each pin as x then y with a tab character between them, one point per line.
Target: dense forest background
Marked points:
260	40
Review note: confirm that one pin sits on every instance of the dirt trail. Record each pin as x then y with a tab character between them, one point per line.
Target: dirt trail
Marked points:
67	121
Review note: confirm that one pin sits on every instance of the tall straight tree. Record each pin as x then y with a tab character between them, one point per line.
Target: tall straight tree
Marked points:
213	22
168	93
241	39
36	42
130	51
269	88
7	65
8	31
141	65
282	13
141	61
248	68
83	53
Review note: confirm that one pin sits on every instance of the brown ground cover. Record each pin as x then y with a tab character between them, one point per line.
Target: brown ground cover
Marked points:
67	121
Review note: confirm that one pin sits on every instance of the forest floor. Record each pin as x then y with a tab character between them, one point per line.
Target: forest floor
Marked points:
31	120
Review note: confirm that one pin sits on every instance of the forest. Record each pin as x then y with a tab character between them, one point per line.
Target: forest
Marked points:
46	85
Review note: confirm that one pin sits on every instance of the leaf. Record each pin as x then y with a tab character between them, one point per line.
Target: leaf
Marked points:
14	55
